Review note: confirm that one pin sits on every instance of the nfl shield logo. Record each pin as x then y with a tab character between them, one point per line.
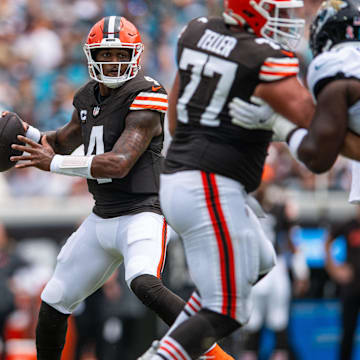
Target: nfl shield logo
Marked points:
96	111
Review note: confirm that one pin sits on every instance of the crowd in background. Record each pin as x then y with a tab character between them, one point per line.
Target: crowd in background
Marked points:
42	62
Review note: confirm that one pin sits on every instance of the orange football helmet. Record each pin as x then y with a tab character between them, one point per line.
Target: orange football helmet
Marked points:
114	32
271	19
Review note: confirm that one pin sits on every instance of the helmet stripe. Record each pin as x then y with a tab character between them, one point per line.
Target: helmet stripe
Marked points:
117	26
111	30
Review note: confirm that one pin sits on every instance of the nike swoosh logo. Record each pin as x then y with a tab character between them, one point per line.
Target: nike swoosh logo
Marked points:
317	67
156	88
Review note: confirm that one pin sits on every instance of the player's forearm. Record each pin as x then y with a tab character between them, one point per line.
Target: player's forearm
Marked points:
305	148
319	147
319	150
111	165
51	138
67	138
61	143
313	160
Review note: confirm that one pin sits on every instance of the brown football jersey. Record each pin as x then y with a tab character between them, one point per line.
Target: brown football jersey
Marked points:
215	65
102	123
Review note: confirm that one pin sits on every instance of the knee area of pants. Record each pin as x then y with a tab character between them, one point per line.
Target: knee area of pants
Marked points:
139	265
146	288
53	292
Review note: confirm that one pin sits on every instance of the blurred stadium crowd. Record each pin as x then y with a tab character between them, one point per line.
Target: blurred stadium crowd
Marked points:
42	64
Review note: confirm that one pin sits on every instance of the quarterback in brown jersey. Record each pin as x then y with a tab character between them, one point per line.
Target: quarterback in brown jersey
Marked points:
118	117
212	162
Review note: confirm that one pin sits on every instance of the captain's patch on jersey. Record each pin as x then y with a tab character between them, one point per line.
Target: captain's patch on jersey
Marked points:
278	68
83	115
150	101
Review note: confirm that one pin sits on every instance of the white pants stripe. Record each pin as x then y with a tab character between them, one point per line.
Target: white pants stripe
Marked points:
224	243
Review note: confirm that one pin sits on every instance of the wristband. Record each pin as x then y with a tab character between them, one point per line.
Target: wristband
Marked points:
33	133
72	165
295	141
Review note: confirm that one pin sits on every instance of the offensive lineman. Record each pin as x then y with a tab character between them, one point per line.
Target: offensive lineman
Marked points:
118	117
212	162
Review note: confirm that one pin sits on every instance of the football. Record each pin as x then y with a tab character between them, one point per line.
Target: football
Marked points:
10	127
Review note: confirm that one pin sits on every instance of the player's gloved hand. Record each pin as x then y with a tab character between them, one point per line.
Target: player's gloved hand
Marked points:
258	115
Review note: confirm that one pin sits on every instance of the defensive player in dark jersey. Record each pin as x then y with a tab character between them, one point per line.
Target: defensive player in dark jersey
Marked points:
212	162
118	117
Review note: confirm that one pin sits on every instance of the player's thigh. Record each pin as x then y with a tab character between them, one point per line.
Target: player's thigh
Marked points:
144	246
221	246
177	194
83	265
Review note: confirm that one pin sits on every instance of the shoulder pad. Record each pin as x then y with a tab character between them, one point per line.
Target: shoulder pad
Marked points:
326	65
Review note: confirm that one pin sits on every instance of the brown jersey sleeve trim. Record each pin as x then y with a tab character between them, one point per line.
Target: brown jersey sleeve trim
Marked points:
277	68
150	101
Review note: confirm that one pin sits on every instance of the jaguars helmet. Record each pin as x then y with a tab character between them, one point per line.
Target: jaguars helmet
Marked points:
113	32
272	19
336	21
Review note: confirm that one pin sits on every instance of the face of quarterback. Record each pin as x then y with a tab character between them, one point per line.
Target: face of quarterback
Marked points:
113	56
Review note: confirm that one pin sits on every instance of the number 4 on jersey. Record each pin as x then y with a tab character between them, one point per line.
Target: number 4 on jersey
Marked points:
97	140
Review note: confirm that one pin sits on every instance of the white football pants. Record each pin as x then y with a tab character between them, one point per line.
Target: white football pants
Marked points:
225	246
98	247
271	299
